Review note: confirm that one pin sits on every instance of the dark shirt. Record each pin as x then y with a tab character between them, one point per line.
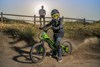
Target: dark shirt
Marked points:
57	27
42	12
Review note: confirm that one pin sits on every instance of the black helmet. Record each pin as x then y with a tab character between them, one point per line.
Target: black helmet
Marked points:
54	11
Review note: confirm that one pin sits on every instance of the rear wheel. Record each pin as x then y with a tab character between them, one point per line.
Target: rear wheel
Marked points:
66	48
37	53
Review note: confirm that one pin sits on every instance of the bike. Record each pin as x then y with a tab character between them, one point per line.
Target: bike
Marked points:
38	51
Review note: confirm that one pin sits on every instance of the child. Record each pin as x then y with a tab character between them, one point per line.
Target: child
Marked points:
57	27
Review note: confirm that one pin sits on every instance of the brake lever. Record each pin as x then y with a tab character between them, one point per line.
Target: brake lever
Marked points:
49	28
45	30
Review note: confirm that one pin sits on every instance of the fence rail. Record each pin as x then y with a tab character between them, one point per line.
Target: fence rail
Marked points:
35	17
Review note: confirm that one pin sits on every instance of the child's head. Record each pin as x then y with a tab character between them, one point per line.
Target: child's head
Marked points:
55	14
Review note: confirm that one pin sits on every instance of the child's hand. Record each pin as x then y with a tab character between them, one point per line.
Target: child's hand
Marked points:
40	28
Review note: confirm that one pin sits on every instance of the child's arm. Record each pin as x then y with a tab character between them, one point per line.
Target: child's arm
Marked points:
47	25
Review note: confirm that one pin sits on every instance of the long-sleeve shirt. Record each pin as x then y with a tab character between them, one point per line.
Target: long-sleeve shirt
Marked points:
57	26
42	12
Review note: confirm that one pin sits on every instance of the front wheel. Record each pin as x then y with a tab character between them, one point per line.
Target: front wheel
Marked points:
37	53
66	48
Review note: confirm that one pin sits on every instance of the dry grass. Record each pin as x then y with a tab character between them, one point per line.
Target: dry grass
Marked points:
77	30
72	30
23	31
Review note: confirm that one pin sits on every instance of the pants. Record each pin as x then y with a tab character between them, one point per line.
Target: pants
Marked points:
43	20
57	40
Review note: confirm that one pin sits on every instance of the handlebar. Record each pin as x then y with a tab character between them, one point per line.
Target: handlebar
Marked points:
45	30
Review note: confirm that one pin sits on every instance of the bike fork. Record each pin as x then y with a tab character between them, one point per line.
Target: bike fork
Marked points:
42	42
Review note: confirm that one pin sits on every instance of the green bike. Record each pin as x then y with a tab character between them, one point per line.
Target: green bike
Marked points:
38	51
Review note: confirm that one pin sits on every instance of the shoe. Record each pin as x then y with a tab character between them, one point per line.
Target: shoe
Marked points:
53	54
50	54
60	59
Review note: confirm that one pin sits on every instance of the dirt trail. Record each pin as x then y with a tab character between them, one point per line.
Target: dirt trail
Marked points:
16	54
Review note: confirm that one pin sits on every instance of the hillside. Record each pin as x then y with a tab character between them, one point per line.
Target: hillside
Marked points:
16	53
16	40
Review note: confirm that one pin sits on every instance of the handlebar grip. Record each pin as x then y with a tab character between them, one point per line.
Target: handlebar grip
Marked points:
40	28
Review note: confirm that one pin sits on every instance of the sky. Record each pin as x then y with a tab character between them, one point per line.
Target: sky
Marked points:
89	9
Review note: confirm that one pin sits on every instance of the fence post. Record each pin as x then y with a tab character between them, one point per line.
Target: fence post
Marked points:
1	16
84	22
34	20
63	18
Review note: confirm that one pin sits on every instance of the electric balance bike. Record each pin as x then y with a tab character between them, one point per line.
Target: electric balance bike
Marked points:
38	50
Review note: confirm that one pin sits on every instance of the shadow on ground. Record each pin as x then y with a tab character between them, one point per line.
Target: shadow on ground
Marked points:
17	36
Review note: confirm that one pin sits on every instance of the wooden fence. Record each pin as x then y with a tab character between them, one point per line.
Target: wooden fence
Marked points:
35	17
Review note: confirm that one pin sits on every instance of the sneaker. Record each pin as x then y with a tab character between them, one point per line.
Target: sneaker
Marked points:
60	59
53	54
50	54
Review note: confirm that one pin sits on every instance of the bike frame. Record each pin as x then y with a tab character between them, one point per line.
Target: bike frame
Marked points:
51	43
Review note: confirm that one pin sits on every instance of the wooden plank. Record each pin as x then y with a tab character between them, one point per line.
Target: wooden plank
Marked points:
24	15
1	16
73	18
39	17
18	15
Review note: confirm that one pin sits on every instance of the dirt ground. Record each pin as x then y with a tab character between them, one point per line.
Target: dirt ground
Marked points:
16	54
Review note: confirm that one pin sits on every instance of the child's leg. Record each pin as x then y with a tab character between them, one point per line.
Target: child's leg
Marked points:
59	47
55	39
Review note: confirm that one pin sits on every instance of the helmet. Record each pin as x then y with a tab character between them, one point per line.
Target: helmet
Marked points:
55	14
